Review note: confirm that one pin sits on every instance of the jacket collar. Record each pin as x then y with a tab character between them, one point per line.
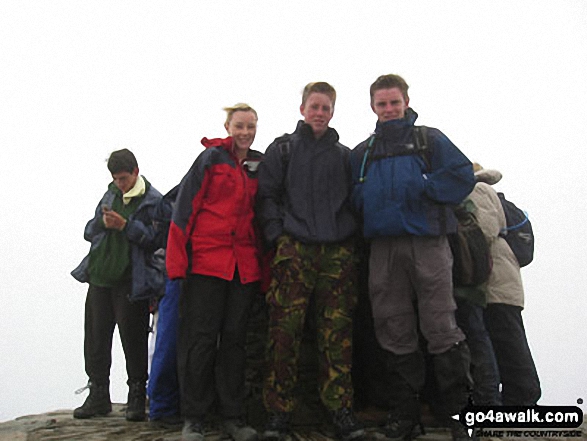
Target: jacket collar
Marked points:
305	130
225	143
408	120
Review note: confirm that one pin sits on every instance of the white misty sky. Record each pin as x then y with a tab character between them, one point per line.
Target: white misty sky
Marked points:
504	80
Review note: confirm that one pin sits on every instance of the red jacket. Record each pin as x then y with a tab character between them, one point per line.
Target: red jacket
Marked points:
214	216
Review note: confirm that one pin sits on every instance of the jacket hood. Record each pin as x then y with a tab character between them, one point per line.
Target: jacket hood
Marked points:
218	142
490	177
409	119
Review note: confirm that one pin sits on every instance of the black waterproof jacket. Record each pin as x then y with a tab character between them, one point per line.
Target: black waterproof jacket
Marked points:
304	188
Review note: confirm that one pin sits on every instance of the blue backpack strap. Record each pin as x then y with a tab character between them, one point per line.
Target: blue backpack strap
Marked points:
365	158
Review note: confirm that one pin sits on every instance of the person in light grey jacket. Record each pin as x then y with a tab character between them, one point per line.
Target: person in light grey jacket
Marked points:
505	300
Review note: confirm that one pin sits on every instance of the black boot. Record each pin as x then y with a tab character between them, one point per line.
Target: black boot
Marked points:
453	376
277	426
406	375
346	425
403	422
97	403
135	405
460	432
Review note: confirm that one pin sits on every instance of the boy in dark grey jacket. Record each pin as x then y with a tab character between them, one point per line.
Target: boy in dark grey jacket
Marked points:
305	213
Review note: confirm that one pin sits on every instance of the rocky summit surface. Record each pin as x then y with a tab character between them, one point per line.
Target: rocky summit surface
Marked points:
60	425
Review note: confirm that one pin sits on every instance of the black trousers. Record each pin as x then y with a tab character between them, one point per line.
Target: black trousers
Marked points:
213	315
106	308
484	367
519	379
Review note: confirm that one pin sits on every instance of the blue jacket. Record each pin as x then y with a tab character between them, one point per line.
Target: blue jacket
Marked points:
399	193
148	262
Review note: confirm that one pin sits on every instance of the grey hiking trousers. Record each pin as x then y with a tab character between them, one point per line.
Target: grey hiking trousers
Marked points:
410	283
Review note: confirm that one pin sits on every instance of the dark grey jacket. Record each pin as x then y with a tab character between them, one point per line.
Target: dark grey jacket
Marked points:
304	188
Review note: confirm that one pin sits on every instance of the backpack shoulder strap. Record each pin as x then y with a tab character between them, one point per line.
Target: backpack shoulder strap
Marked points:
366	156
284	145
422	144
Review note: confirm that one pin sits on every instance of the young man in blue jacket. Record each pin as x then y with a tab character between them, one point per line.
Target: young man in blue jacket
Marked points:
404	185
124	273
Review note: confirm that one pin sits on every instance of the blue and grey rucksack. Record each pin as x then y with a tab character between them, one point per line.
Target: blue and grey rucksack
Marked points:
518	232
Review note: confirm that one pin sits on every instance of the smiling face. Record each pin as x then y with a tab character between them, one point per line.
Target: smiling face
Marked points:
389	104
317	111
243	128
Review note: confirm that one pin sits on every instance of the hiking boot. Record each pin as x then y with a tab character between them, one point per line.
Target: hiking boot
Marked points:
193	430
97	403
402	428
136	402
460	432
238	430
277	426
346	424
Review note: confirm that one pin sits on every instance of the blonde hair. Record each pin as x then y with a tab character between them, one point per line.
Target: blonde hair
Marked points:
238	107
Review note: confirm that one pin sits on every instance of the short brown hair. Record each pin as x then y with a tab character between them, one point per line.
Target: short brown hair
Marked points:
238	107
122	161
319	87
390	81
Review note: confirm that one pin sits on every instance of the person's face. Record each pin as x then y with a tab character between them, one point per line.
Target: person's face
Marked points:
125	180
389	104
243	128
317	112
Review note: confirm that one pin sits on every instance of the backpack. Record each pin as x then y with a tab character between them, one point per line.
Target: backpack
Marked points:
162	216
518	232
284	144
472	261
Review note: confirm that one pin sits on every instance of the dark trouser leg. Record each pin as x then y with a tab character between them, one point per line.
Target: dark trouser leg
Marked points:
132	319
201	307
231	357
99	329
520	383
483	363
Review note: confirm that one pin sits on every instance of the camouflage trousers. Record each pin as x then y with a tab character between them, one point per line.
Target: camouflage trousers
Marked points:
327	271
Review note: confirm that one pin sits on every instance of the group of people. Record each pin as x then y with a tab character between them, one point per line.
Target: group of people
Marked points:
303	208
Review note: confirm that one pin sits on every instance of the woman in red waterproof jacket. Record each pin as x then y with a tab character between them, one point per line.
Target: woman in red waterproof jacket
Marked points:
213	246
